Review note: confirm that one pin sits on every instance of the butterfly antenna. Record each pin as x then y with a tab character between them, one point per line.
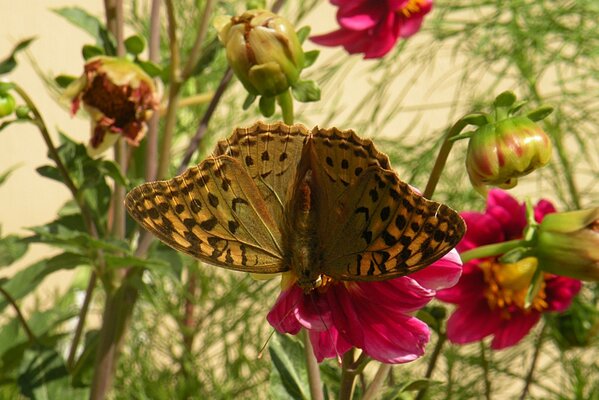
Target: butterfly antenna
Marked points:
327	330
274	328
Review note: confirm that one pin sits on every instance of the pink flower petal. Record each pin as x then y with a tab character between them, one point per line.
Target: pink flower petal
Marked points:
514	329
400	294
441	274
560	291
282	315
383	38
543	208
472	322
469	289
328	344
481	229
362	16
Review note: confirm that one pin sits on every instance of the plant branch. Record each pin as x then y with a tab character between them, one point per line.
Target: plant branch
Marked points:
485	366
30	336
441	160
432	363
491	250
91	285
533	363
377	382
314	380
348	376
196	51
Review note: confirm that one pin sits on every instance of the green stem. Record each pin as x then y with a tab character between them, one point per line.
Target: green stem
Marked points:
30	336
348	376
432	363
485	366
377	382
533	363
314	380
491	250
286	103
91	285
442	158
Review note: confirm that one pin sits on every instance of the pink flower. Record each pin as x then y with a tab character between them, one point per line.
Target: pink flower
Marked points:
373	316
373	27
490	296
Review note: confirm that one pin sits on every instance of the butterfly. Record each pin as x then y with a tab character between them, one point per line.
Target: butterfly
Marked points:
324	204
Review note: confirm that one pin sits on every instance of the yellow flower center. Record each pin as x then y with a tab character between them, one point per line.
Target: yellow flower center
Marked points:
411	8
507	286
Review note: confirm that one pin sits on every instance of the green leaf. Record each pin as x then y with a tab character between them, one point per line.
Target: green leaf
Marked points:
89	51
135	44
288	377
303	33
49	171
306	91
44	376
111	169
310	57
12	247
116	261
10	62
540	113
25	281
6	86
249	100
505	99
477	119
267	106
90	24
64	80
150	68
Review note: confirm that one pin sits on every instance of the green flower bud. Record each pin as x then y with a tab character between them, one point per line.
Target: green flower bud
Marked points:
568	244
263	50
119	97
7	104
500	152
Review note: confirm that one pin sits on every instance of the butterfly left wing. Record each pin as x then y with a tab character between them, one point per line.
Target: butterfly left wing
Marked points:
213	212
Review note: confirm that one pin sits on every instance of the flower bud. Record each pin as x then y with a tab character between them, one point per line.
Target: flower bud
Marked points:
568	244
500	152
263	50
7	104
118	95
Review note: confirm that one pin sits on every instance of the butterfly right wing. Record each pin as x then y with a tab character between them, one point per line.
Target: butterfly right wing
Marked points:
213	212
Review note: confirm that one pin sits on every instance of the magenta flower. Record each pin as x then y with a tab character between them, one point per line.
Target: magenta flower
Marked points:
373	316
490	296
373	27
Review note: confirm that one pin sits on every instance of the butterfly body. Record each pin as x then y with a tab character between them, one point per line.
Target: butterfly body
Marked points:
324	204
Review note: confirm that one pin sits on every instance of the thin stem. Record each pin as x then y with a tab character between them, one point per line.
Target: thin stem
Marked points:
286	103
314	380
533	363
203	127
196	51
432	363
485	366
91	285
30	336
377	382
348	376
442	158
491	250
173	93
151	165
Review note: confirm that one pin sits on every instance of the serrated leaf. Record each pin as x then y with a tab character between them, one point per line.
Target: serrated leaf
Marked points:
12	247
505	99
89	51
267	106
306	91
92	25
135	44
303	33
540	113
288	376
10	62
310	57
249	100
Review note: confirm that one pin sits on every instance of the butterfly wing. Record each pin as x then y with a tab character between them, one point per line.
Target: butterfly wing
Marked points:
213	212
270	153
374	226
